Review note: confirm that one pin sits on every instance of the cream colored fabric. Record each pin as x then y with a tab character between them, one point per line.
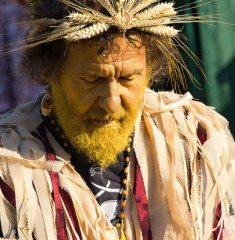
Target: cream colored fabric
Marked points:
166	146
170	140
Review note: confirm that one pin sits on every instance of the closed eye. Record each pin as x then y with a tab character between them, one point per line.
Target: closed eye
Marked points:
91	80
126	79
130	78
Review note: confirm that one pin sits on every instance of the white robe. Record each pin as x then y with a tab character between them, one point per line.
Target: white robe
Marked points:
167	149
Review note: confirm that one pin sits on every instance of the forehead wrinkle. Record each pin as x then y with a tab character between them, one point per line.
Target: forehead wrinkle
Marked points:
126	56
128	60
136	65
95	70
108	69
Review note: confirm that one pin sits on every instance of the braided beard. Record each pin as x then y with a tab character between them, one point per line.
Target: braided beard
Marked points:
100	144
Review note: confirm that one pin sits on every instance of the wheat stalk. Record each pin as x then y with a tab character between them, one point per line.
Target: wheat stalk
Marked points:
141	6
87	32
190	19
59	33
99	17
129	4
44	22
148	23
85	18
90	17
119	4
55	35
165	31
108	6
160	10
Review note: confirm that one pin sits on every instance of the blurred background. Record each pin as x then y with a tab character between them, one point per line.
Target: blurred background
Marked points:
214	45
14	88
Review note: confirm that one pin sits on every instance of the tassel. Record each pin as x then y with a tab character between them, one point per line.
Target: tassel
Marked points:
122	234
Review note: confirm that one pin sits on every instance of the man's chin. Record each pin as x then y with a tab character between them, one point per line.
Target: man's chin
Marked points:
102	145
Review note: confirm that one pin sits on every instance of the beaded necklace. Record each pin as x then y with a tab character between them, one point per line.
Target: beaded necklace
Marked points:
120	224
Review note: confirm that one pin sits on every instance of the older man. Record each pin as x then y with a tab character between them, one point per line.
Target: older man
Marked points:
101	156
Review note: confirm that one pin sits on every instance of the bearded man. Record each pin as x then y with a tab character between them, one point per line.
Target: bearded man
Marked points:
101	156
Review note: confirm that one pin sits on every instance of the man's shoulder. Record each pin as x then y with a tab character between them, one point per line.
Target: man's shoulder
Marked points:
181	107
16	127
27	116
162	102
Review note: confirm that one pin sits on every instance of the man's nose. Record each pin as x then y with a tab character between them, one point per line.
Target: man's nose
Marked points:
110	99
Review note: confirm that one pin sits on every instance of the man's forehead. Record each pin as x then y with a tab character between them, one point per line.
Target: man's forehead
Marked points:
84	59
120	49
95	70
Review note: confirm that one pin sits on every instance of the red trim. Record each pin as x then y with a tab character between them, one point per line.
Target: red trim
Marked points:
142	203
217	218
201	132
7	192
60	219
70	208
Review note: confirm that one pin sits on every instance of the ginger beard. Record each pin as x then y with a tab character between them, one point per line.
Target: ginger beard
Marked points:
100	144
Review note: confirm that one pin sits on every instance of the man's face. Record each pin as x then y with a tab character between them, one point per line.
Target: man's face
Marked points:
97	99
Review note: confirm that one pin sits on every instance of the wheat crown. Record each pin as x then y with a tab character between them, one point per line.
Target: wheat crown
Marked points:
150	16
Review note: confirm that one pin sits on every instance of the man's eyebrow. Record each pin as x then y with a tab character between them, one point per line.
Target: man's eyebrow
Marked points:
133	74
133	71
90	73
96	70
